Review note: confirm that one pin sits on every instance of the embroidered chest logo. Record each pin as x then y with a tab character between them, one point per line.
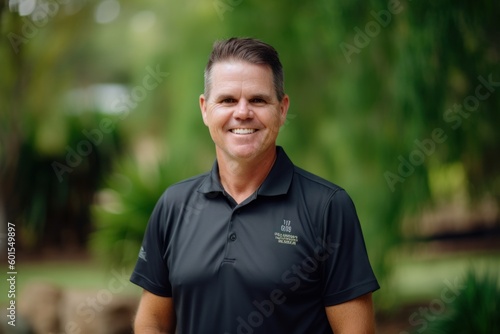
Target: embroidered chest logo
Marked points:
285	235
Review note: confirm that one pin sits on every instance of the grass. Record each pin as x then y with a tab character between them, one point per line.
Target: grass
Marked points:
81	275
416	279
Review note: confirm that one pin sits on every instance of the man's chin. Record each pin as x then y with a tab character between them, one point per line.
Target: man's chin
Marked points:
245	153
241	152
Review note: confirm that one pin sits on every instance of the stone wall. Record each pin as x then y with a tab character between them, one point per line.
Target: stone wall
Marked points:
44	308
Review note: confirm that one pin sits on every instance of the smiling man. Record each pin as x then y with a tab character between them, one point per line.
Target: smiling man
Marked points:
256	245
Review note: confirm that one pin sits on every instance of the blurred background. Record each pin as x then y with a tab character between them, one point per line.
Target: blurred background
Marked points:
396	101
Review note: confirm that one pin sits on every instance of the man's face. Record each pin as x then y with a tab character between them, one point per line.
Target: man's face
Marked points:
242	111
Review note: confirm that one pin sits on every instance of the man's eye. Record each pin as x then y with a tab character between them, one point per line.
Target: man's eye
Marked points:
258	101
228	100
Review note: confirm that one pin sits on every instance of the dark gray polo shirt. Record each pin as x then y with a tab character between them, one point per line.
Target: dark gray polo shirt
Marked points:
268	265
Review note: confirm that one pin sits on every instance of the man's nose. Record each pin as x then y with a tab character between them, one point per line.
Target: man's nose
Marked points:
243	110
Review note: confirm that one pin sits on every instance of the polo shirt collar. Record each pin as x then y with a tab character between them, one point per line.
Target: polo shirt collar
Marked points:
276	183
280	177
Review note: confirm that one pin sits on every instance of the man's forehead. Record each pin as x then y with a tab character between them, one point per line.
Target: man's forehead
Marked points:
231	76
234	90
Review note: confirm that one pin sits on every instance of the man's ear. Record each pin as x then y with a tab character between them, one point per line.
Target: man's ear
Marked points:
203	108
284	105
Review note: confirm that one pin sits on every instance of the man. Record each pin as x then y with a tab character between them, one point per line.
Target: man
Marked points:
257	245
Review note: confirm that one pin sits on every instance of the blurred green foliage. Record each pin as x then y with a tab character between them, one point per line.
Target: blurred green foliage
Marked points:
124	208
367	79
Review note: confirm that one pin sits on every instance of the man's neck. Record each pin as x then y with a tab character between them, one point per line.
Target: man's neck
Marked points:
241	178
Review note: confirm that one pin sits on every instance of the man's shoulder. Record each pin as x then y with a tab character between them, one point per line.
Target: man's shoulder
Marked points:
314	181
186	187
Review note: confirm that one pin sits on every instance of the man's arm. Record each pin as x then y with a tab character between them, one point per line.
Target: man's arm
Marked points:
155	315
354	316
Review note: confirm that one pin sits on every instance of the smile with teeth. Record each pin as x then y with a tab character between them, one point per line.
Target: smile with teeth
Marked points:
243	131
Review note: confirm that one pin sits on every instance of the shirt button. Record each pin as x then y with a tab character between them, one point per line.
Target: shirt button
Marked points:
232	236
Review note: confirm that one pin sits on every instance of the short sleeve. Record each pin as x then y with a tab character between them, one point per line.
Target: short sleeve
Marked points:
347	273
151	271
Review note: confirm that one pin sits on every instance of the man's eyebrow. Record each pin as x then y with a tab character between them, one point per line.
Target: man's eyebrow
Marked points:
264	97
261	96
224	96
